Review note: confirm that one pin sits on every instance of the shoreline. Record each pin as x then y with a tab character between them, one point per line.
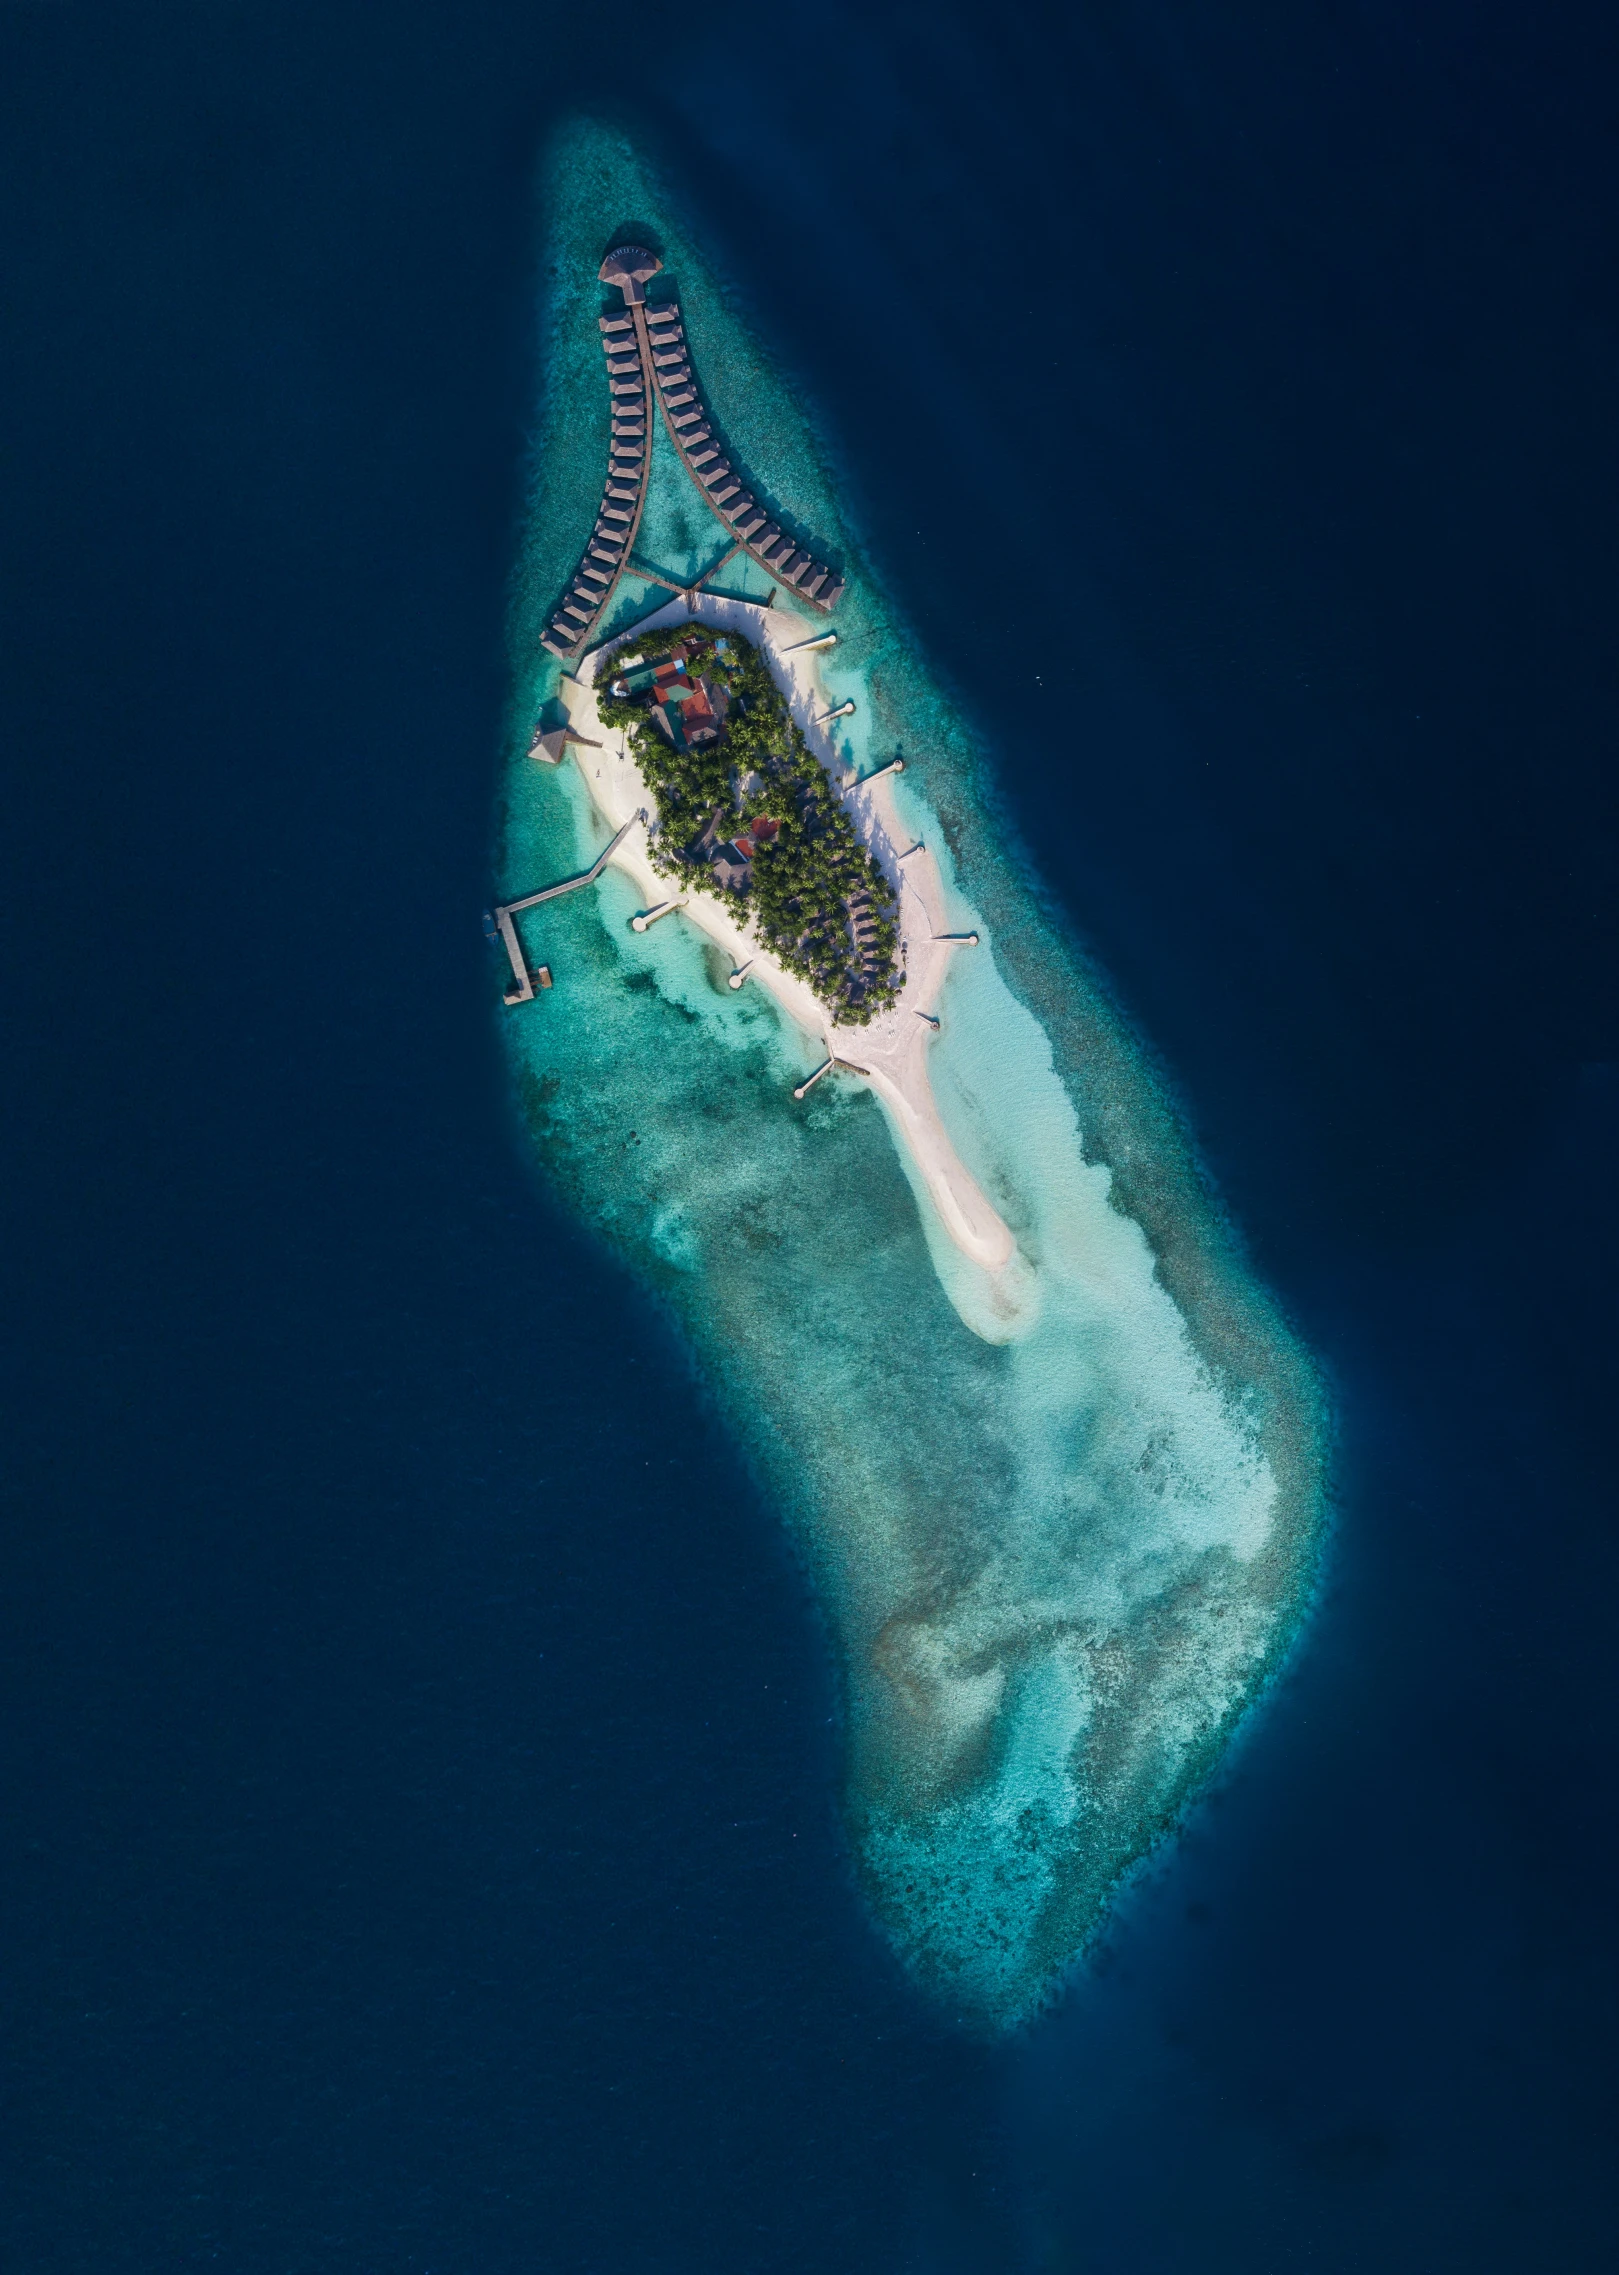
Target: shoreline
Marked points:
891	1053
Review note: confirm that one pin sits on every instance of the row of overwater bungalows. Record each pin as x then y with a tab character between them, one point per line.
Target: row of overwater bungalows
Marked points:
629	464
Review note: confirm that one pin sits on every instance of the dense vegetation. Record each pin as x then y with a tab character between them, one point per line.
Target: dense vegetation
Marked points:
820	903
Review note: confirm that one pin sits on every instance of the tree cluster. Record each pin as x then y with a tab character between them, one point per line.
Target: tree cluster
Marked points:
822	905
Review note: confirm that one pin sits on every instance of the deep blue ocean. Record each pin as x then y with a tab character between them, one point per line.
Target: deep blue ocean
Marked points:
419	1844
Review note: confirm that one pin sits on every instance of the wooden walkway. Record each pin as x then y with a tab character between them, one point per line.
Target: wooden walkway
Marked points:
522	988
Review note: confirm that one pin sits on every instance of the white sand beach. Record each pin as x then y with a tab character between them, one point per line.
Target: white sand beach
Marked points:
891	1054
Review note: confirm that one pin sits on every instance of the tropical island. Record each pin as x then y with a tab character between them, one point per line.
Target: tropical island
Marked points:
746	811
846	925
710	761
1054	1459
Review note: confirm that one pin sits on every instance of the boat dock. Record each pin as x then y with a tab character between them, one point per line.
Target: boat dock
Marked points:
649	916
522	987
859	781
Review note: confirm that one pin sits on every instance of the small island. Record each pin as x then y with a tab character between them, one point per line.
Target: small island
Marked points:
747	812
701	736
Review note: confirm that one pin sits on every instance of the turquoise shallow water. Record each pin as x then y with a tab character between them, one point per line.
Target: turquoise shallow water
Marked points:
1056	1569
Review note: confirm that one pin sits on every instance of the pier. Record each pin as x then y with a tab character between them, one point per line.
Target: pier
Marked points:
804	1088
847	1066
522	987
647	358
650	916
859	781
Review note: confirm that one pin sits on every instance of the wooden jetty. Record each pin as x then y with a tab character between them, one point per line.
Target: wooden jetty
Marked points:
859	781
522	987
848	1066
